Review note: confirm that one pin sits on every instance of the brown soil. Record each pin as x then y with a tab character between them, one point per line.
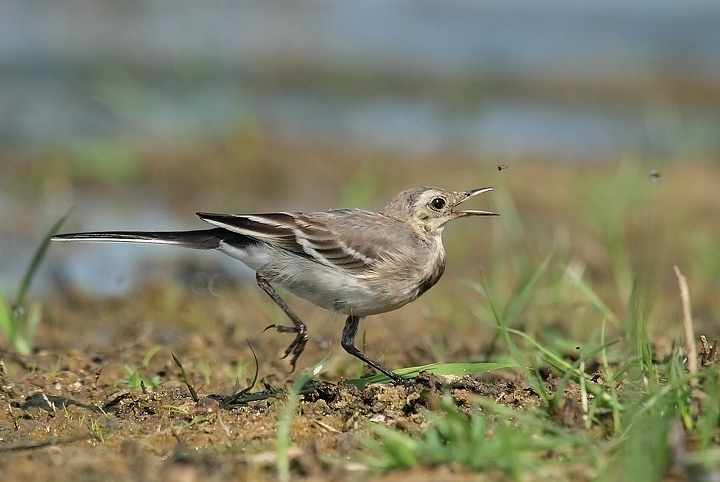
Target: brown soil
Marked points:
67	415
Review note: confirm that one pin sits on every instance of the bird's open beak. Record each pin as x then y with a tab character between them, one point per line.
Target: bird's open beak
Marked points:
473	212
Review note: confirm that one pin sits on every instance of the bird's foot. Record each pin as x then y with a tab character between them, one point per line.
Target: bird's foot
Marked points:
298	344
401	380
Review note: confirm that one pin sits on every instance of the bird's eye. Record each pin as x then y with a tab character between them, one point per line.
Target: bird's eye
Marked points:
438	203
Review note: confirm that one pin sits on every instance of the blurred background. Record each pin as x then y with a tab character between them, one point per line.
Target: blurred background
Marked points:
140	113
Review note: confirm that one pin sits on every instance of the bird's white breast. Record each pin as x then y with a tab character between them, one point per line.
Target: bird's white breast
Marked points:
345	292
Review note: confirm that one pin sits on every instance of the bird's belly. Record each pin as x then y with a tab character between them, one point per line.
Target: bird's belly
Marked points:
346	294
328	287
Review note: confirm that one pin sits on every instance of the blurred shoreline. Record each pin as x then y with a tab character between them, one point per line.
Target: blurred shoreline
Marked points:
563	80
141	113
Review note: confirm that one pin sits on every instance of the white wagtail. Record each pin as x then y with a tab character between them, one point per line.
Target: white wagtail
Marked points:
350	261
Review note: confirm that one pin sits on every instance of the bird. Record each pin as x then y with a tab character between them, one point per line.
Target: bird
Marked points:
349	261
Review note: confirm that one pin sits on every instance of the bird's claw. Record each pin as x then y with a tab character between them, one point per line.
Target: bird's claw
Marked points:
282	328
401	380
298	344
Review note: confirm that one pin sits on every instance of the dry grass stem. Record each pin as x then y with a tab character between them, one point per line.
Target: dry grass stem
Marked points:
688	325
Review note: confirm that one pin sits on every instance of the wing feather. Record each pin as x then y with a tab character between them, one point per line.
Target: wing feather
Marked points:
349	240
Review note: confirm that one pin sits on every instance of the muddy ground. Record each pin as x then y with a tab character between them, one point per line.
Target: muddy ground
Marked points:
70	414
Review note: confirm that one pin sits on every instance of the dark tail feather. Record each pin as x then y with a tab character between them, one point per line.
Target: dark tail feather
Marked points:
200	239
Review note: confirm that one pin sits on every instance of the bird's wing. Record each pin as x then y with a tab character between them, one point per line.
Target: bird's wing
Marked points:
345	239
275	229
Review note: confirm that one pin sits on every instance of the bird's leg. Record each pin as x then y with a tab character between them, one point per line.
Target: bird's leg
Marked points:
298	344
348	343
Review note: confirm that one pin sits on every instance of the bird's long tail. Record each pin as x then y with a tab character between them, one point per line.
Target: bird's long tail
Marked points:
200	239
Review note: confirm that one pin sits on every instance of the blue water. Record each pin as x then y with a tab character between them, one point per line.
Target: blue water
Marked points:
166	70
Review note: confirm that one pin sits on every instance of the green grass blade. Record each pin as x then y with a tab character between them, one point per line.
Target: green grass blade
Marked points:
436	369
592	297
515	352
37	260
284	438
519	356
518	303
562	365
7	325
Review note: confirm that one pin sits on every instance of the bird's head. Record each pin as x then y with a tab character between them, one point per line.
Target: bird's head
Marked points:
429	208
